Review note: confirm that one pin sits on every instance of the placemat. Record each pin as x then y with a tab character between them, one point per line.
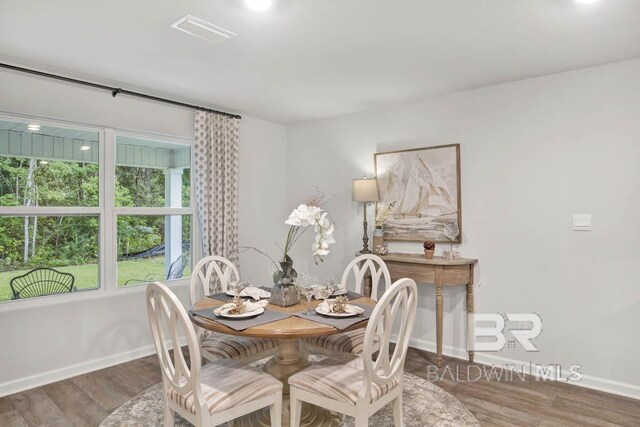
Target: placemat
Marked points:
340	323
241	324
222	296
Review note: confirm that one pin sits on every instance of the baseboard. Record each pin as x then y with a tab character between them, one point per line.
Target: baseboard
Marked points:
588	381
48	377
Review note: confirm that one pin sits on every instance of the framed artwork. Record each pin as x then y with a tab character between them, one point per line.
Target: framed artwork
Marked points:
424	183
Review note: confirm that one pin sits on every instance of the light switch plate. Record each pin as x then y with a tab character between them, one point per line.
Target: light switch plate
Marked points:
582	222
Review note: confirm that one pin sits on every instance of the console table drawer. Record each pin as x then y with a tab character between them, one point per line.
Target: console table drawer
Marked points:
419	273
457	275
453	275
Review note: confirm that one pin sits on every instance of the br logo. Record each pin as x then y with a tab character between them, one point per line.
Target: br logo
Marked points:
489	330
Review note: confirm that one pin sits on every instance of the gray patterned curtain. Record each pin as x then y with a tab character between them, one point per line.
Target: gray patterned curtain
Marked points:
216	173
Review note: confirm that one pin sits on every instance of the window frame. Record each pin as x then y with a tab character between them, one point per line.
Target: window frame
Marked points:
106	211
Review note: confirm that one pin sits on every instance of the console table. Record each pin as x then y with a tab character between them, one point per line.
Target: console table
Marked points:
439	272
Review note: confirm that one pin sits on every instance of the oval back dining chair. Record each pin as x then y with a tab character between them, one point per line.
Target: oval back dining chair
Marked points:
204	396
41	282
215	346
212	274
359	386
364	266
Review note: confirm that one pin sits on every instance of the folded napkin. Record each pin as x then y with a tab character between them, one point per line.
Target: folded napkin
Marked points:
255	293
230	307
330	305
339	287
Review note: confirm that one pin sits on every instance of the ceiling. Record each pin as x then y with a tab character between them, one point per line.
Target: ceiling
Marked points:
310	59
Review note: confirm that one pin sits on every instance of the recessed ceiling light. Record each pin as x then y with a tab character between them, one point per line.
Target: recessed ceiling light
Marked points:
259	5
85	147
586	1
33	128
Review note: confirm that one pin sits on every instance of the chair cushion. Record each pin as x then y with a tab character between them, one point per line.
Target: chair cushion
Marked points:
226	384
339	378
230	347
344	342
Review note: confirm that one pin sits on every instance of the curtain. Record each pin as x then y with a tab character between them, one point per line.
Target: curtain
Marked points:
216	176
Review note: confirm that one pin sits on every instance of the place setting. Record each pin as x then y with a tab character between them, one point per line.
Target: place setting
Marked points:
246	309
246	290
338	312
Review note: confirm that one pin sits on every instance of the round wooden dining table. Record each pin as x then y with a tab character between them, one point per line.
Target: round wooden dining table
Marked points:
291	356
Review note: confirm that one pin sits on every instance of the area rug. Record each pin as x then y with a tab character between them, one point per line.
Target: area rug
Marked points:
425	404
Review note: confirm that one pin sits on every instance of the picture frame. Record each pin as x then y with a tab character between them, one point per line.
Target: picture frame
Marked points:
425	184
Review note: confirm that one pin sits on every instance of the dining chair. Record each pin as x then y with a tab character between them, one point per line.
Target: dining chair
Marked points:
358	271
208	272
205	396
359	386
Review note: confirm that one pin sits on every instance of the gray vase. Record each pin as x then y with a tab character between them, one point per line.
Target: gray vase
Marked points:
284	292
284	295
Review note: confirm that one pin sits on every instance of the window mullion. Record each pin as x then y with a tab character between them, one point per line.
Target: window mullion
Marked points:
109	253
153	211
48	210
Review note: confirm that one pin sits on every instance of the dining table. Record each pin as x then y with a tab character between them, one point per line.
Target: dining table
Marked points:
291	356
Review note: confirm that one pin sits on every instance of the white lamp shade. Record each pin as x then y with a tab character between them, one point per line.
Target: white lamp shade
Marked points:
365	190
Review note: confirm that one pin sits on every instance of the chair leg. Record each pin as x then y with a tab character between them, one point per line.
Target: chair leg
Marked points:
295	407
362	421
276	411
169	416
397	412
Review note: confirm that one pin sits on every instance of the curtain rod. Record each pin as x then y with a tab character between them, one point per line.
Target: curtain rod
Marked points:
115	90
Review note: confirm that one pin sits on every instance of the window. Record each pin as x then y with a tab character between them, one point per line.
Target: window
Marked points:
71	196
153	194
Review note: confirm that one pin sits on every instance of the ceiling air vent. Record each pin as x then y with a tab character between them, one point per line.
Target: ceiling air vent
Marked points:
204	30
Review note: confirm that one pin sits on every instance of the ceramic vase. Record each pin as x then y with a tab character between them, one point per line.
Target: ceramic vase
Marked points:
378	240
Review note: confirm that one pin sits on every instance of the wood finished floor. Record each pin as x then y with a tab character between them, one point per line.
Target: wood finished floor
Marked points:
87	399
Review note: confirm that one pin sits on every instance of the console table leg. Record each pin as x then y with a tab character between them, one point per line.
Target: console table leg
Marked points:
470	325
439	325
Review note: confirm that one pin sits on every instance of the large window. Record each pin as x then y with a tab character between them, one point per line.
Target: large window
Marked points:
85	208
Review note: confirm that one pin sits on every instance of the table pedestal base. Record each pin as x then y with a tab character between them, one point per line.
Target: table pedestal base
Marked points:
290	358
312	416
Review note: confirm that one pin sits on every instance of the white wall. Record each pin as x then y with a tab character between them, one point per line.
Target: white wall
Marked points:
263	196
50	342
533	153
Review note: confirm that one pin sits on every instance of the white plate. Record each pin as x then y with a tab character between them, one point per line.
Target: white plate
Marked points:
243	315
324	313
339	292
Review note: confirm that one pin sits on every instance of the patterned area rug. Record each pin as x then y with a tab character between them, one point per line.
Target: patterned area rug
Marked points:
425	404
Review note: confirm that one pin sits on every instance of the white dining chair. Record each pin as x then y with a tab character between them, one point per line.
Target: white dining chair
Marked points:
358	270
214	346
205	396
359	386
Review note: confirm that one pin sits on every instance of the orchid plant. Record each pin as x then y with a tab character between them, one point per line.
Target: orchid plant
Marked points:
306	215
301	218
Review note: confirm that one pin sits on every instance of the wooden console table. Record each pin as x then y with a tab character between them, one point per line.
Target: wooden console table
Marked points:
439	272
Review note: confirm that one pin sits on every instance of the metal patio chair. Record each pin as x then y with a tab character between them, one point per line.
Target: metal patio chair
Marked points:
40	282
176	270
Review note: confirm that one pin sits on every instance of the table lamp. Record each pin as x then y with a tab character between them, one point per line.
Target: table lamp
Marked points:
365	190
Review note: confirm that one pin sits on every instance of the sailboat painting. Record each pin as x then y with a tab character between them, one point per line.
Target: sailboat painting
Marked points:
425	184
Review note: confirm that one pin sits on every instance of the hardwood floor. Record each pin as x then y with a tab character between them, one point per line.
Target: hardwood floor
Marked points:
87	399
